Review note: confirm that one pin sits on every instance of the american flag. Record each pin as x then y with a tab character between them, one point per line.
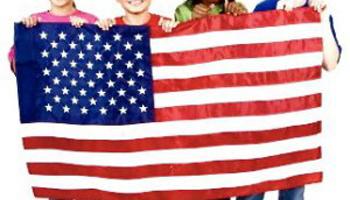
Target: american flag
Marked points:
223	106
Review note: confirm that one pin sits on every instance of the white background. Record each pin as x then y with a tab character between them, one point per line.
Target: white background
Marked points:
336	148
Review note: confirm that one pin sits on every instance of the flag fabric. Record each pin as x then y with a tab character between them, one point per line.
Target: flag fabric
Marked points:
223	106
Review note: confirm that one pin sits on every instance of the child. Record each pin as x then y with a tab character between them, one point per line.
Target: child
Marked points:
331	55
63	11
137	13
332	49
194	9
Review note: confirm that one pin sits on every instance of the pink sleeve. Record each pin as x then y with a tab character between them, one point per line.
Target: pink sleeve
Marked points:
11	57
11	54
91	19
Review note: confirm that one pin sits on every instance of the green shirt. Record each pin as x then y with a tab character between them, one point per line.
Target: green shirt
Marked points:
184	11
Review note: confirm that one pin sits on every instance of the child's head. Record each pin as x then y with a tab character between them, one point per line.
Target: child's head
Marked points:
62	3
135	6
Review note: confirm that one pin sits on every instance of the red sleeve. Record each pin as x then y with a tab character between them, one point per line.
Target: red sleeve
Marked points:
119	21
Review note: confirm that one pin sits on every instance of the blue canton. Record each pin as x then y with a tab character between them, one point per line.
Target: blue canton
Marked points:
84	76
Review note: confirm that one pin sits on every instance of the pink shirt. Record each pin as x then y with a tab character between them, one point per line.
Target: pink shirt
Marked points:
47	17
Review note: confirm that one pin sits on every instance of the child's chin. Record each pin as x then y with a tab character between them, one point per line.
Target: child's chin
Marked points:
136	10
60	3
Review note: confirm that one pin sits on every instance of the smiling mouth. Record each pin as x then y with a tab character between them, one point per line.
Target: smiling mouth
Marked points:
135	2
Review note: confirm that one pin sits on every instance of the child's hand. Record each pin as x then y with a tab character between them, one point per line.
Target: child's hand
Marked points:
30	22
200	10
106	24
318	5
167	25
289	5
235	8
77	22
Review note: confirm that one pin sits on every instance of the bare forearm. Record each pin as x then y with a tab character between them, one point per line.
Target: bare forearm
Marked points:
330	48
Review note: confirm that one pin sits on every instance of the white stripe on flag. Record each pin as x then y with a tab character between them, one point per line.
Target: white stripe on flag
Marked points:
173	128
191	155
233	37
263	64
237	94
176	183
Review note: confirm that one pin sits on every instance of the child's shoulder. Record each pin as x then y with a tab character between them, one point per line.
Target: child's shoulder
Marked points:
46	16
40	14
183	12
88	16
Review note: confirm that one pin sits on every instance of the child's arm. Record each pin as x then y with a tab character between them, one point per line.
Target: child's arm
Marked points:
331	52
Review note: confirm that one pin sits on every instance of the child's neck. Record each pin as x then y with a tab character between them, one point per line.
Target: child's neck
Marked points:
137	19
62	11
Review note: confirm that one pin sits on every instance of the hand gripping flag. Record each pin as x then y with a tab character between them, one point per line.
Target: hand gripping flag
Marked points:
223	106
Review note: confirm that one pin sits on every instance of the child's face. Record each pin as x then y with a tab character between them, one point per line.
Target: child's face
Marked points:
135	6
61	3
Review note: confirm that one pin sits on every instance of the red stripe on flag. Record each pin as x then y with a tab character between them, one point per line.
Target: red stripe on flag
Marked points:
192	112
173	142
91	194
192	169
238	79
237	51
229	22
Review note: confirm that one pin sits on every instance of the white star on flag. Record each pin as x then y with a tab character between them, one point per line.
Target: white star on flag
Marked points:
43	35
62	36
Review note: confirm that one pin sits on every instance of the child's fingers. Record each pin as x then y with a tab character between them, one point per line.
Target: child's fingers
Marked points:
111	22
165	26
106	25
172	24
226	5
287	5
36	19
161	20
200	12
203	8
25	22
103	24
280	5
168	25
322	6
30	22
77	22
